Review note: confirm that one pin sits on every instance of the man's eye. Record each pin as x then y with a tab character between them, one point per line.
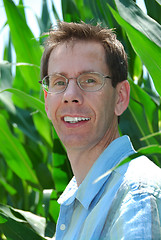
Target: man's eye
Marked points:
90	80
59	83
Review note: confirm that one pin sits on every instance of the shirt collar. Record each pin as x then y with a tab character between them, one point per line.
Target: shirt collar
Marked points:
119	149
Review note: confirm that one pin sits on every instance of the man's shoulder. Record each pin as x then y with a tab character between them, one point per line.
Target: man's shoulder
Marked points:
142	175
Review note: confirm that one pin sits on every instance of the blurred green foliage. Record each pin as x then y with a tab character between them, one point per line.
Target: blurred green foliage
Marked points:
34	168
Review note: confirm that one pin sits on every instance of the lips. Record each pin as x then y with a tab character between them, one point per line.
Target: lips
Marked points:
69	119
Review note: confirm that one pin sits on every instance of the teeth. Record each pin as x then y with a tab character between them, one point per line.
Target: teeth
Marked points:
75	119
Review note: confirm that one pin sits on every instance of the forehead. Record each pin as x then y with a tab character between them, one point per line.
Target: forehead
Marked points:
76	45
77	56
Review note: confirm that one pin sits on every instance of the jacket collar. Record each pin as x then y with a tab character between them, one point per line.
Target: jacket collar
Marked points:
119	149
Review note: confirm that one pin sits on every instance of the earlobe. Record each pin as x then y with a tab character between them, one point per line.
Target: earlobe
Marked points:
45	94
123	95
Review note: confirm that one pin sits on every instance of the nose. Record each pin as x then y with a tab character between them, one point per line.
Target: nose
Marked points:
73	94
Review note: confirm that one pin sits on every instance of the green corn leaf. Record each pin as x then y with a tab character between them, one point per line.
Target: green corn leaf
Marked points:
7	186
70	11
27	48
151	135
21	225
152	149
28	99
43	126
153	10
141	117
148	51
14	154
138	68
126	160
132	14
55	12
158	1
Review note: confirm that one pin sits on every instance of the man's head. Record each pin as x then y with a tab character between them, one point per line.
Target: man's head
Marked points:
116	58
84	110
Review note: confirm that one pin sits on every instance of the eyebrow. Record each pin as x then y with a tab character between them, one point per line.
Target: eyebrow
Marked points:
79	73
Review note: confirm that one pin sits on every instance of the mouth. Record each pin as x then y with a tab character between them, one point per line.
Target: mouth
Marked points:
69	119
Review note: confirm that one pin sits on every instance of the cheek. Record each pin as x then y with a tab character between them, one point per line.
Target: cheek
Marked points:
106	107
51	107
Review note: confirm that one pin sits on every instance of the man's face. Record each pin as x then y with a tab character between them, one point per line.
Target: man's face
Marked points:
92	114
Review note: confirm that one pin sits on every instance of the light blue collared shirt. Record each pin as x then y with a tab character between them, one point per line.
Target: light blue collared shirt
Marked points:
125	204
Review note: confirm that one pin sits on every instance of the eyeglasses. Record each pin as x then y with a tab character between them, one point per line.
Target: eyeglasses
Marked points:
89	82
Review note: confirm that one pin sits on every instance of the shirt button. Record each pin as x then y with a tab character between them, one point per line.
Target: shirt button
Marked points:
62	227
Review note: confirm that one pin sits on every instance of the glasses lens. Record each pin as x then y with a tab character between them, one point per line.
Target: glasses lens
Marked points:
91	81
55	83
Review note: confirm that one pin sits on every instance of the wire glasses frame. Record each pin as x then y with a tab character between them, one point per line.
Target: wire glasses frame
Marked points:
58	83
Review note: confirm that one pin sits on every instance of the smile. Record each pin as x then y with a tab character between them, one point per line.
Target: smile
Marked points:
75	119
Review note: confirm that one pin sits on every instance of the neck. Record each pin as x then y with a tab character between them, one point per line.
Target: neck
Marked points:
82	160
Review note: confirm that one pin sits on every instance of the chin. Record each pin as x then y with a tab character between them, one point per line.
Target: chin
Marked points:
74	143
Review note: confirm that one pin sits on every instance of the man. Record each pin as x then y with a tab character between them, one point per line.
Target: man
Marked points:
84	72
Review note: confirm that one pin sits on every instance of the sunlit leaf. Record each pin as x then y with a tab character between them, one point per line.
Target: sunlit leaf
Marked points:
17	224
7	186
151	135
159	1
43	126
132	14
60	178
148	51
26	47
70	11
28	99
6	82
54	206
15	154
36	222
138	68
153	10
2	219
30	148
152	149
126	160
56	14
141	117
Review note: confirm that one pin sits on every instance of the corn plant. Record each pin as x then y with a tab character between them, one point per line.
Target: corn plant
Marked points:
34	168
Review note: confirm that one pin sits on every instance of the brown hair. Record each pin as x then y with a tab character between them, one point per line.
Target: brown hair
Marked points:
116	57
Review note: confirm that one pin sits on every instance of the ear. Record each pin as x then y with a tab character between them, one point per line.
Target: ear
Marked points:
123	95
46	104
